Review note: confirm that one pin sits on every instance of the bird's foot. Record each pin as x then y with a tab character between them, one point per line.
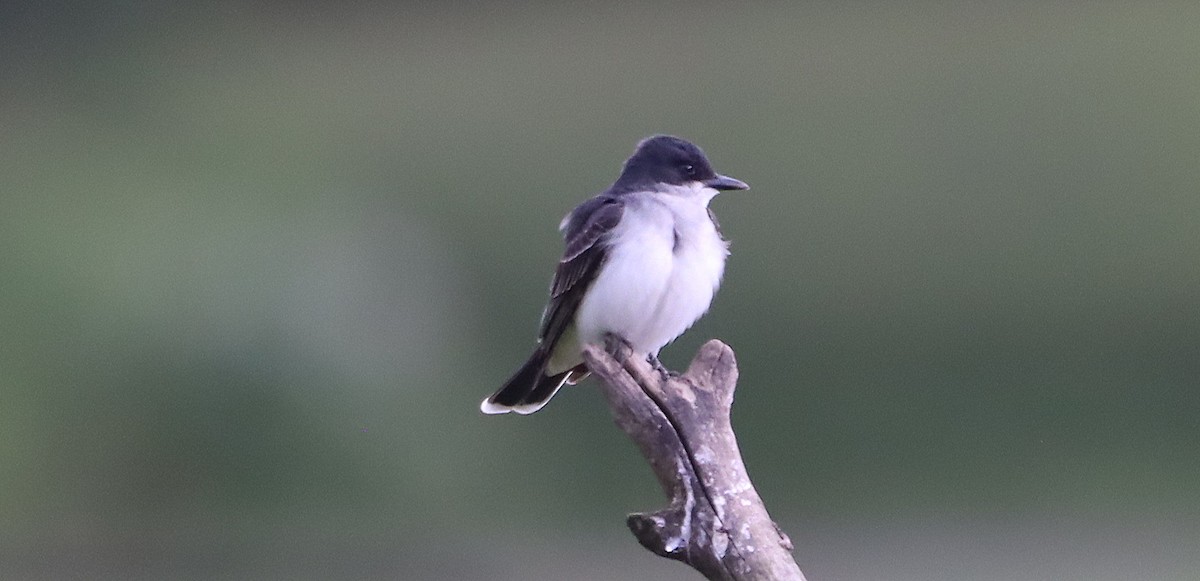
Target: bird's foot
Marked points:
662	370
617	347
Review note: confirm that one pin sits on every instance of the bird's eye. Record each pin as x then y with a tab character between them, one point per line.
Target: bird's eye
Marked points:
689	170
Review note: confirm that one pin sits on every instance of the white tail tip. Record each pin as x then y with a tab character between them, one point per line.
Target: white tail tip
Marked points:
493	408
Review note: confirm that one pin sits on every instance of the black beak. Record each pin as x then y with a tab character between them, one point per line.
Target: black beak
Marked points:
723	183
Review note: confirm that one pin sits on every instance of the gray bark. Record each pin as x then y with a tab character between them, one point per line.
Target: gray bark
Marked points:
716	522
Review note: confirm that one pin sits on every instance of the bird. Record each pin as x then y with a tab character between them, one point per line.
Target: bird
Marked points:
642	261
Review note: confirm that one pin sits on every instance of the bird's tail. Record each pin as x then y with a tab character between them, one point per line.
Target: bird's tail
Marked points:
529	388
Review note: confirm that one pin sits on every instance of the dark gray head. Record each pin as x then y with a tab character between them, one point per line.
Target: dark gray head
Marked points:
664	159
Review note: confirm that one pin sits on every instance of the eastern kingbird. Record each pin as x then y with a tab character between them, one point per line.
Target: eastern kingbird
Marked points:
642	261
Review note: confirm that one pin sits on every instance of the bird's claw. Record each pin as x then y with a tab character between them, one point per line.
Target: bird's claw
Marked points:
662	370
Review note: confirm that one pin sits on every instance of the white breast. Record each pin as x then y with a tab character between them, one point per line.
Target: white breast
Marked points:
665	264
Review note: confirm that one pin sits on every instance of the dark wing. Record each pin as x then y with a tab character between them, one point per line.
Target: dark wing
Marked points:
585	232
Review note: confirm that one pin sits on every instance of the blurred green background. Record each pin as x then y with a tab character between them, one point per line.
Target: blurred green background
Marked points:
260	262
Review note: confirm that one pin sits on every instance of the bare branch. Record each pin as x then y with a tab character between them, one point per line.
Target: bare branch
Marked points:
716	522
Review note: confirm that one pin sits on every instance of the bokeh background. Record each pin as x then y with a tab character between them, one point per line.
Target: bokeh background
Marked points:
259	262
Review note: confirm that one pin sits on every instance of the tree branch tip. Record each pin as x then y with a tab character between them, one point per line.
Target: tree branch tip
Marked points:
593	351
599	361
650	529
713	364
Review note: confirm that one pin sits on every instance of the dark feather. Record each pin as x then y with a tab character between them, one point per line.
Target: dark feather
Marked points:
529	385
586	234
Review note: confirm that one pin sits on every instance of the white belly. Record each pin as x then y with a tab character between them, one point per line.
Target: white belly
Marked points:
665	264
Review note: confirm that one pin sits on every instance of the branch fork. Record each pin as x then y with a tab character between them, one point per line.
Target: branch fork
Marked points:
715	522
